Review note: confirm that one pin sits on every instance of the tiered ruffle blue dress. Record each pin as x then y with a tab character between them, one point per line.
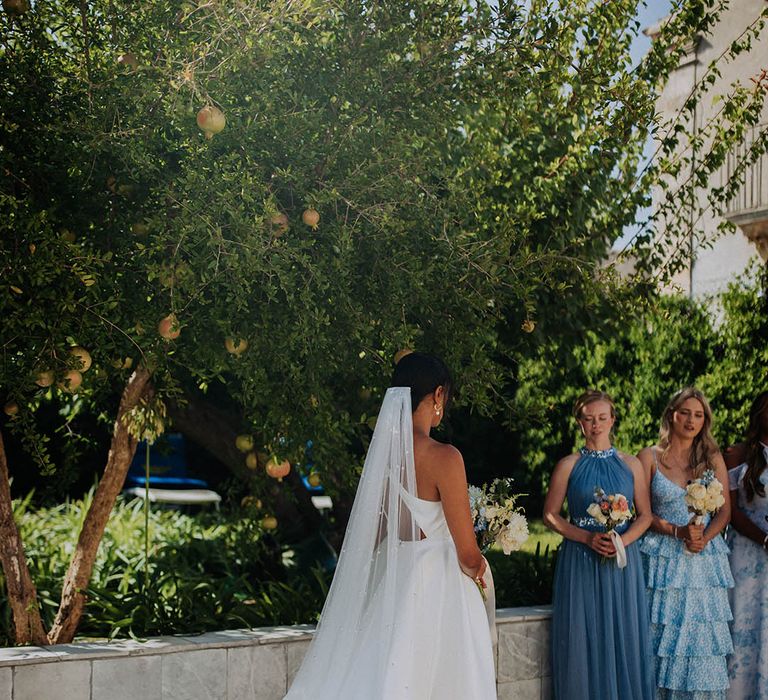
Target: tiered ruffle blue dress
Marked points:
748	666
688	596
600	634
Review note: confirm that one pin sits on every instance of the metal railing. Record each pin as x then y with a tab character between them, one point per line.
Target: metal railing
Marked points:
752	196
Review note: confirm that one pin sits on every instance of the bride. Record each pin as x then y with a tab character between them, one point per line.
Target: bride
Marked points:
404	618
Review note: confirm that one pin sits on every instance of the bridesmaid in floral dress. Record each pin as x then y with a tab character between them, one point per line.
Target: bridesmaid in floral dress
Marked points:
748	666
686	565
601	645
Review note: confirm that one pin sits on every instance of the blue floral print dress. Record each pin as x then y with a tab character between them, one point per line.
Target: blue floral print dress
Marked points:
688	597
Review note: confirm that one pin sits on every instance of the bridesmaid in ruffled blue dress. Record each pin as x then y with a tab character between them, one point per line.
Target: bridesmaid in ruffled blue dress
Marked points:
600	633
686	565
748	665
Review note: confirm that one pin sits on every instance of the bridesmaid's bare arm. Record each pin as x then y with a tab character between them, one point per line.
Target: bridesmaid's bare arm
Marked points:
642	500
600	542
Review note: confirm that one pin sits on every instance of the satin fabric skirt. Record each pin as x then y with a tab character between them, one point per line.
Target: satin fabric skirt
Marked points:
441	645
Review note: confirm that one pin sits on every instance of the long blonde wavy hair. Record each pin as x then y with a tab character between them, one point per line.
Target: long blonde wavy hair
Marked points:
704	448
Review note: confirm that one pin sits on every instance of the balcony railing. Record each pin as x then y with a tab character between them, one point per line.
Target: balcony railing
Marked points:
752	197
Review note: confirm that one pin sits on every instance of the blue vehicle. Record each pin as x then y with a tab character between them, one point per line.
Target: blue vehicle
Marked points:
169	479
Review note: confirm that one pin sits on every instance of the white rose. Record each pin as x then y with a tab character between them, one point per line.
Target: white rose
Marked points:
491	512
715	488
715	502
513	536
697	492
594	510
618	516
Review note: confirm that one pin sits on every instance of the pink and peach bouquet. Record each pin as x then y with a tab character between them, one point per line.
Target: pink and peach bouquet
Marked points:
610	511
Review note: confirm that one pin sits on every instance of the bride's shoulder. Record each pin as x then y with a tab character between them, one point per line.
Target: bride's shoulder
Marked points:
442	453
440	459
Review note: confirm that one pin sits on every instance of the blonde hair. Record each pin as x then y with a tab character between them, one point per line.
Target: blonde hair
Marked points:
590	396
704	447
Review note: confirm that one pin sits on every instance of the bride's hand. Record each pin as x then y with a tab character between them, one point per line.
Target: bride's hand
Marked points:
476	574
481	572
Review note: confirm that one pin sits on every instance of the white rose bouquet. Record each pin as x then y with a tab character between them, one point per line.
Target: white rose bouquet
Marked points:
496	517
704	496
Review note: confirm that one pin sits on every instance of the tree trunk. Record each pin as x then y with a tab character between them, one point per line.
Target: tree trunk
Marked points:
81	566
215	431
22	595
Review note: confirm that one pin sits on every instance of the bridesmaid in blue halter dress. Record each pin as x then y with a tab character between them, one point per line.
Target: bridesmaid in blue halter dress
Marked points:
600	630
687	590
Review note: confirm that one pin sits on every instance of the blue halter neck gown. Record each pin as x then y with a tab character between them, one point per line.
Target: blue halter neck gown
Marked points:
600	625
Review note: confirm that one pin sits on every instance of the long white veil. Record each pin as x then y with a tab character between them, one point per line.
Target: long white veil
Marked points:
375	554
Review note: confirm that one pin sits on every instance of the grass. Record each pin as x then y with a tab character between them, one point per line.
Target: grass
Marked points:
539	534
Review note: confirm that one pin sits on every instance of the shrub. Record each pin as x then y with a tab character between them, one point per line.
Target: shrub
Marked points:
209	571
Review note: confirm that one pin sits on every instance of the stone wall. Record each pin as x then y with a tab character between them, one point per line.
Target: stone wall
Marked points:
256	664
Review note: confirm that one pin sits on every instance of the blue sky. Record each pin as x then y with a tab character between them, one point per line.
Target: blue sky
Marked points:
648	14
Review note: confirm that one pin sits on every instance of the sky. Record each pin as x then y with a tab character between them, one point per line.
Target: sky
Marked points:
650	13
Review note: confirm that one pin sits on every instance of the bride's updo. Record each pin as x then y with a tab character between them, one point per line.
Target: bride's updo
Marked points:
423	374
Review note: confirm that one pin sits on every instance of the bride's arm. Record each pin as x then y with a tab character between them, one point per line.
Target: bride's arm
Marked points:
452	486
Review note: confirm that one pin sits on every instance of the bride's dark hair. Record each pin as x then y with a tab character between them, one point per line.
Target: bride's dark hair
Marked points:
423	374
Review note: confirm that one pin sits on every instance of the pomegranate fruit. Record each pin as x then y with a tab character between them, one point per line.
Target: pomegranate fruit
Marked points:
211	120
71	381
311	218
83	356
169	327
244	443
278	470
44	378
236	347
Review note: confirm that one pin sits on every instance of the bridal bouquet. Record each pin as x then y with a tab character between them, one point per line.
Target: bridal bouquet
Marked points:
496	517
704	496
610	511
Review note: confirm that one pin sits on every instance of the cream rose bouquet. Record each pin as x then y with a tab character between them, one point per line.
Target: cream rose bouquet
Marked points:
704	496
496	516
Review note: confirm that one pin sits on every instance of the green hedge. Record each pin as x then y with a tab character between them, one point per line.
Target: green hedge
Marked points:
206	572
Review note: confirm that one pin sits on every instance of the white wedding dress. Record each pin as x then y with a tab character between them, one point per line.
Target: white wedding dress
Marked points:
401	621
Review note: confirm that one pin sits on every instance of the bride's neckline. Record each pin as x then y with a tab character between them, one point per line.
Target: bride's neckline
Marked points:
600	454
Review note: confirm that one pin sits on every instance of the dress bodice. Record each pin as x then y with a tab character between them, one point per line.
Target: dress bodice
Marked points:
597	469
756	509
668	500
429	516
